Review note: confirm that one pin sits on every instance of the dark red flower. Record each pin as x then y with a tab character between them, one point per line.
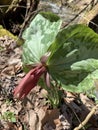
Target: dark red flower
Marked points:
29	82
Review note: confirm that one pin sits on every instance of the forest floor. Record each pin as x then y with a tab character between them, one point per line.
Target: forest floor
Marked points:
34	112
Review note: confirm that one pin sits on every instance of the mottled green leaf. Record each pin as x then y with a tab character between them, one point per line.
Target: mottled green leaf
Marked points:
88	65
86	85
38	37
73	45
89	82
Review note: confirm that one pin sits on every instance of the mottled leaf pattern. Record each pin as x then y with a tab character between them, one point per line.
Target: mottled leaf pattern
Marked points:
88	65
72	53
38	37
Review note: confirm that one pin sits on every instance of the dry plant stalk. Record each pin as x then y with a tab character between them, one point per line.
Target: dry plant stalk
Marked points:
87	118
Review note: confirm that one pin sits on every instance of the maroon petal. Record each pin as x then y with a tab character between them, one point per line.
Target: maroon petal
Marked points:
29	82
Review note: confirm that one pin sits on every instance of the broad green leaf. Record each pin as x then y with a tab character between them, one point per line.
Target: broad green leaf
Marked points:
86	85
89	82
38	37
72	46
88	65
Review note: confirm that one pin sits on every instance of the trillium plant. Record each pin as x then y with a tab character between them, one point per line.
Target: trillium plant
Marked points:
58	58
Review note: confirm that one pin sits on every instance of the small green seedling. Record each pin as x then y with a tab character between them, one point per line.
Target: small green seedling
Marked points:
8	116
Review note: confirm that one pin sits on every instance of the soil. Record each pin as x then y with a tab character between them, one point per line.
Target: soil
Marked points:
34	111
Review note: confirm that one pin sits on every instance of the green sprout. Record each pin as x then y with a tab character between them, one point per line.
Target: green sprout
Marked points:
8	116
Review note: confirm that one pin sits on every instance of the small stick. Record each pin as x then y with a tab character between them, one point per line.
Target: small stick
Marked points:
87	118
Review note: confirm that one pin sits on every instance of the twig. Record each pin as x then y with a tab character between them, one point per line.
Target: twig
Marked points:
79	14
19	6
31	10
70	106
14	2
87	118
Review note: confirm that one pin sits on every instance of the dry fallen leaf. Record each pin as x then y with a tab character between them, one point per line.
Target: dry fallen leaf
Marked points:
33	120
